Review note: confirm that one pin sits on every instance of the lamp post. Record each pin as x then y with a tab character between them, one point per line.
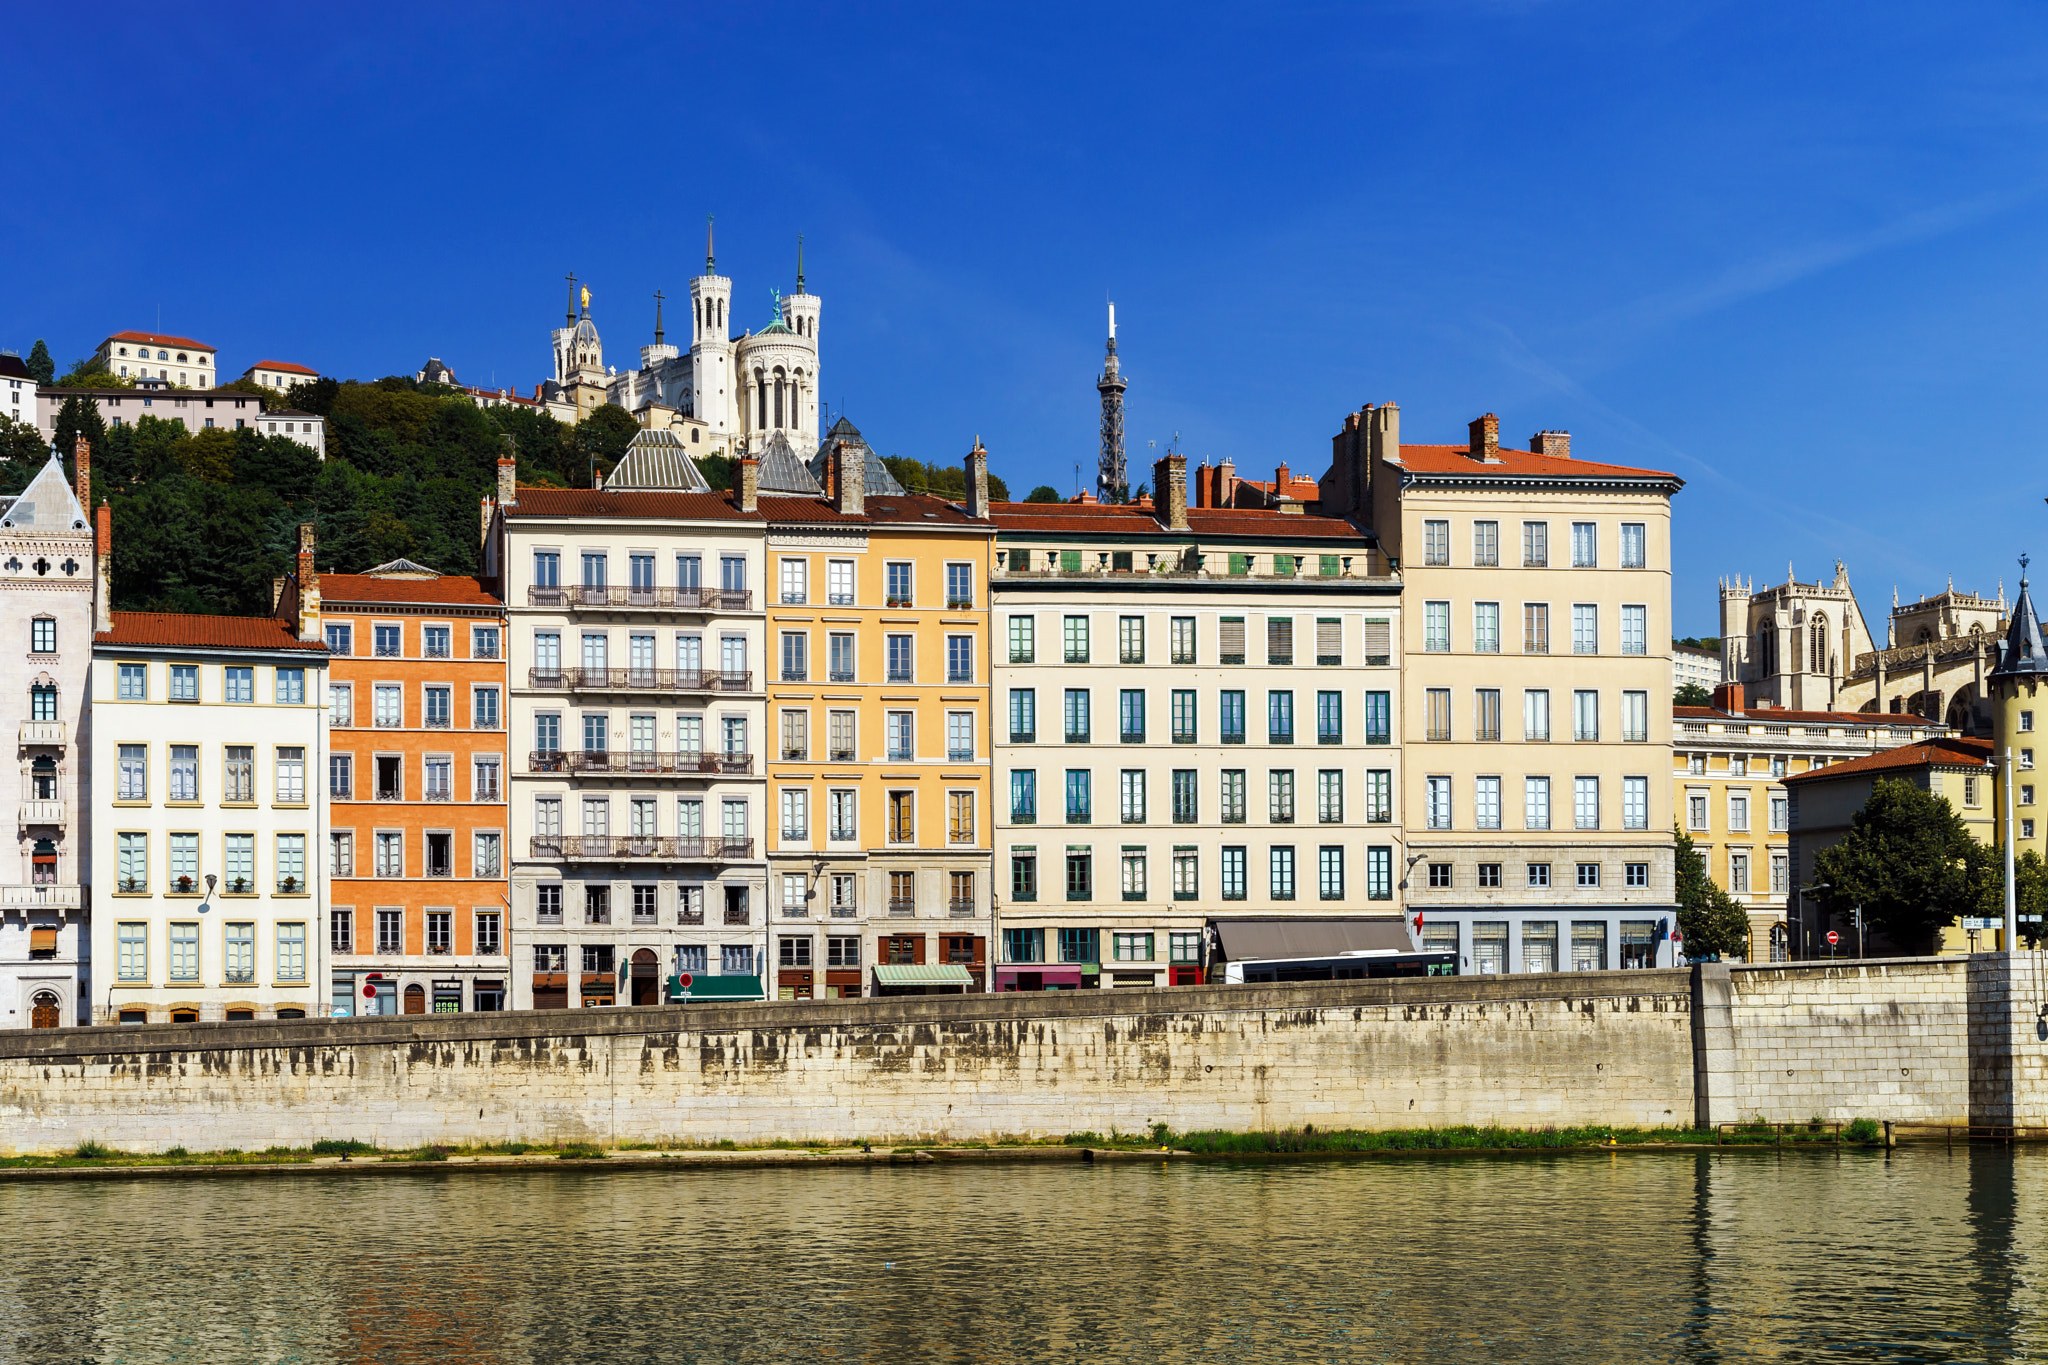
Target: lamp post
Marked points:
1800	893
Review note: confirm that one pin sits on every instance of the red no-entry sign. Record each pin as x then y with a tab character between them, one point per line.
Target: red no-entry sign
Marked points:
684	980
1833	938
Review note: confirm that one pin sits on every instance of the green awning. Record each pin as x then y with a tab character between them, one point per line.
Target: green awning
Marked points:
924	974
716	988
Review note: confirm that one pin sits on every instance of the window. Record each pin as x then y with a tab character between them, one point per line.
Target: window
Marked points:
1023	715
1330	873
1075	635
1330	796
1535	627
796	895
386	707
1588	875
1635	874
1436	627
796	813
1230	717
1023	639
1379	718
133	957
1438	791
960	736
1181	639
489	939
184	863
1539	876
1077	715
1696	811
900	659
1023	875
341	704
184	952
1133	947
1780	872
1738	812
484	708
1635	717
1280	718
1440	875
1778	767
1279	640
439	708
1489	875
1436	543
1586	803
1486	627
1232	798
1635	803
1696	765
1329	717
1024	945
132	862
1379	796
899	729
483	642
1132	873
1130	639
390	931
547	656
1585	545
1187	879
1536	803
1185	800
1535	544
1379	640
1781	816
897	584
1486	714
795	648
1634	554
291	775
1485	544
291	863
42	635
1230	640
839	582
1585	715
1486	803
1280	796
959	657
1184	947
795	582
1634	629
487	855
240	774
1585	628
1280	867
1379	873
133	784
341	854
1437	713
593	569
1078	796
1329	642
1738	873
902	827
736	959
1233	873
1131	715
1080	874
547	569
547	902
1131	794
1183	715
132	683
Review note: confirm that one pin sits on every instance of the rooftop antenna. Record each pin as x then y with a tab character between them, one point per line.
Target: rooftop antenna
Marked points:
1111	484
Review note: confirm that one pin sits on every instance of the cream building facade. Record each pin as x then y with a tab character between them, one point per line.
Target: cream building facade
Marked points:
1198	718
1536	686
180	361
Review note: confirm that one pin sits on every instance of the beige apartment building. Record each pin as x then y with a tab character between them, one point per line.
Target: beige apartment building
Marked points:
1536	691
1197	720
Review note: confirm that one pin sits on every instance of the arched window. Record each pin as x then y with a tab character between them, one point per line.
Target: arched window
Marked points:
1820	644
780	384
1766	651
760	400
1924	636
42	702
43	864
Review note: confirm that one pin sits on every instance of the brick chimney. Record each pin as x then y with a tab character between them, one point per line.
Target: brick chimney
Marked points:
1728	697
750	484
82	466
1484	442
977	481
850	478
309	586
508	480
103	570
1170	482
1553	443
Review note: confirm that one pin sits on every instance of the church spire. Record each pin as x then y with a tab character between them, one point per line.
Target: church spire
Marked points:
572	299
657	317
710	257
799	263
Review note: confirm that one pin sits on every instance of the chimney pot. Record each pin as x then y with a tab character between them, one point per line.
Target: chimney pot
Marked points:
850	478
508	480
750	484
1170	482
977	481
82	467
1728	697
1557	444
1484	442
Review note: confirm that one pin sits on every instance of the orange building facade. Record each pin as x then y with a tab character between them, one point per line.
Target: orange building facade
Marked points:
416	785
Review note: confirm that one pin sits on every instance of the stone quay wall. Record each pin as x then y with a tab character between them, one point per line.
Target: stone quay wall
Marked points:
1584	1048
1935	1040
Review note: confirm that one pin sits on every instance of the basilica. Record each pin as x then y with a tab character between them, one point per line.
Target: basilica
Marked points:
719	395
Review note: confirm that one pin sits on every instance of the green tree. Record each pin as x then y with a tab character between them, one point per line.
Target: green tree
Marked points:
272	399
1909	862
1692	694
1045	492
602	437
2030	874
22	452
88	374
315	396
40	364
1712	924
80	416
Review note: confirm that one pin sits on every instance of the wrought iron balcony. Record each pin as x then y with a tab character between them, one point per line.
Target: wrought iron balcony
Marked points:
639	762
902	909
960	909
670	599
736	916
606	847
639	679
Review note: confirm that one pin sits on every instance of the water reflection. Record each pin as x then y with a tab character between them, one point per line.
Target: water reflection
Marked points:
1926	1256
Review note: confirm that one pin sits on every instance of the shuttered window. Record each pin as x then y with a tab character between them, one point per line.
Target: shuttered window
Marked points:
1230	639
1378	641
1329	641
1280	639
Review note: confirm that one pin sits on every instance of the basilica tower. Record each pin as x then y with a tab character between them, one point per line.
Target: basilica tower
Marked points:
711	373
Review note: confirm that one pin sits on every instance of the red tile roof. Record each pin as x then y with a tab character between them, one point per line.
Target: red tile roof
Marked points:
284	365
500	395
338	589
1073	518
1425	459
1771	715
1944	752
202	632
643	504
155	340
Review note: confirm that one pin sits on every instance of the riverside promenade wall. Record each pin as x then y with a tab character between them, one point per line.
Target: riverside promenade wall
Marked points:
1941	1040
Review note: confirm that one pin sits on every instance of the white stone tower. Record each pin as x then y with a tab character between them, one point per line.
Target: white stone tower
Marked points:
711	373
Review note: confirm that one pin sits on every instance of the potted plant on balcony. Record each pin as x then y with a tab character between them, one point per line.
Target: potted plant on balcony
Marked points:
288	884
184	885
239	885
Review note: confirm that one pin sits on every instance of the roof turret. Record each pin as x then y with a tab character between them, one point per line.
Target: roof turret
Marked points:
2022	651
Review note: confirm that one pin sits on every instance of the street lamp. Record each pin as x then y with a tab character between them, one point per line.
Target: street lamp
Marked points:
1805	939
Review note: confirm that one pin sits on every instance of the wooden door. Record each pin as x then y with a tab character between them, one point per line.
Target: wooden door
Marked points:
415	999
43	1012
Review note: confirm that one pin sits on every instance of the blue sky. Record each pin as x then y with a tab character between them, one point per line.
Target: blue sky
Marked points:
1791	252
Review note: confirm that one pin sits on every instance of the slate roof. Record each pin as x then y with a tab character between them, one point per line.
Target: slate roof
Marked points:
657	458
47	505
880	482
203	632
13	366
783	472
2022	651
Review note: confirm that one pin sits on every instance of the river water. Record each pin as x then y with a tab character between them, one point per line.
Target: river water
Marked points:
1925	1255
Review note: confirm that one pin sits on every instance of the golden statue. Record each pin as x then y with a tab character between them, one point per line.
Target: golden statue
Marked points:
586	298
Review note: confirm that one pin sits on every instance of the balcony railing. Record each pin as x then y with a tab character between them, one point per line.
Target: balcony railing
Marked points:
484	723
390	652
842	755
387	794
42	812
639	679
644	761
443	870
390	722
839	675
42	732
960	909
439	723
440	794
239	976
609	846
673	599
736	915
902	909
44	894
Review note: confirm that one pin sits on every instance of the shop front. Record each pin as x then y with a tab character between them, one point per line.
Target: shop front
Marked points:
1048	976
932	978
716	989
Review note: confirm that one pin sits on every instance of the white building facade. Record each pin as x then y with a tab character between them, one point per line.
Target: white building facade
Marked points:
181	361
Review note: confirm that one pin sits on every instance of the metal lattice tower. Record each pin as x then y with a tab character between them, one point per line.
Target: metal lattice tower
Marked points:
1110	482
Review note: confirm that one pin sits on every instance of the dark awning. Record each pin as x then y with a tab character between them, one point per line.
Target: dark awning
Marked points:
728	987
1267	939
